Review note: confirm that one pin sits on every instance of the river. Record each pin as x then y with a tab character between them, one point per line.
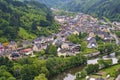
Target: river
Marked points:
70	74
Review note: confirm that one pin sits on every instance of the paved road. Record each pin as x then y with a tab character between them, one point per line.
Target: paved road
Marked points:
95	60
118	78
116	38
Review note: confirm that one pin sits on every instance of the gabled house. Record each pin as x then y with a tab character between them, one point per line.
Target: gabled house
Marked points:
37	47
62	52
75	48
44	46
36	41
91	34
103	35
68	48
107	37
50	38
65	46
41	39
12	46
76	33
92	43
58	43
26	52
14	55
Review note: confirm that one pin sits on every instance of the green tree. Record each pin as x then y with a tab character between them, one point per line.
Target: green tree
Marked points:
4	74
80	75
83	46
28	72
51	49
105	63
82	35
16	70
92	68
5	61
11	78
109	48
40	77
117	33
74	38
101	48
117	53
29	18
98	39
58	65
27	60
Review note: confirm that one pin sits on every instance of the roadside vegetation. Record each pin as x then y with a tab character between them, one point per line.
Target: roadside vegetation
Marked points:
102	69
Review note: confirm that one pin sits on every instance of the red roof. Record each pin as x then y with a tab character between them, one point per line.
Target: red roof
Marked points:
26	50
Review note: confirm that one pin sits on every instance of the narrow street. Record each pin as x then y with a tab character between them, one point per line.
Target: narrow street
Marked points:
114	36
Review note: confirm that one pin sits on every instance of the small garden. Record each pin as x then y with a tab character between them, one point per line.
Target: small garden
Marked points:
112	71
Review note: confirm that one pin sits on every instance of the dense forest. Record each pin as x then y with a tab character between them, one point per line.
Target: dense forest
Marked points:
25	20
55	4
97	8
36	69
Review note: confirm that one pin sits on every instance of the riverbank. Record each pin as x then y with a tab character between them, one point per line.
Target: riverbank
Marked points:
68	74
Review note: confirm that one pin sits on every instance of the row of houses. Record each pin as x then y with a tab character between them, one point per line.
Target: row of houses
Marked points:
13	51
63	47
17	54
91	40
68	48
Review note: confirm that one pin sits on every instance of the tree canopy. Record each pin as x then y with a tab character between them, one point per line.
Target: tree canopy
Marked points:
29	18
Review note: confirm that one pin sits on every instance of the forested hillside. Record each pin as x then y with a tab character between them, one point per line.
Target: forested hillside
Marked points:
97	8
25	20
107	8
55	4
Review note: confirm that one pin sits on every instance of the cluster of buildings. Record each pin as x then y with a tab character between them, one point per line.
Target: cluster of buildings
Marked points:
85	24
81	23
69	25
64	47
14	52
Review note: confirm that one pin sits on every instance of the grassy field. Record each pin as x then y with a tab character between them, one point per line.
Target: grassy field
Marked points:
104	72
112	70
88	51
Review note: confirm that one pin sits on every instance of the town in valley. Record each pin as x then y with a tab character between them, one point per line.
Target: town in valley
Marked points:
39	41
